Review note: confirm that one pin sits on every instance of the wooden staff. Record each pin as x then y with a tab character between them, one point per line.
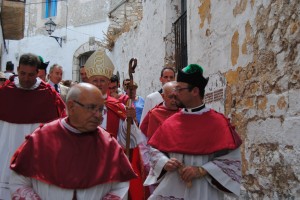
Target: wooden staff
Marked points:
131	68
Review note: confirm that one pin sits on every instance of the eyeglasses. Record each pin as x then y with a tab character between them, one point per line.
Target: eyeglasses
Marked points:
2	79
179	89
91	108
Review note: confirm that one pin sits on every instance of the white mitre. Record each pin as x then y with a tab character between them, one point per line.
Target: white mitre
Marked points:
99	64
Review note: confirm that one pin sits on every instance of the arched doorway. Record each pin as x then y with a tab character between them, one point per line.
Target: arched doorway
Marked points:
81	55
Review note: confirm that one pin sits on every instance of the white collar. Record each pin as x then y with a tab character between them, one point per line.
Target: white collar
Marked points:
195	109
70	128
18	85
188	111
52	84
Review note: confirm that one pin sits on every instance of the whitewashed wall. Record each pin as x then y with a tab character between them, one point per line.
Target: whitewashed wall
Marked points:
50	50
146	43
209	38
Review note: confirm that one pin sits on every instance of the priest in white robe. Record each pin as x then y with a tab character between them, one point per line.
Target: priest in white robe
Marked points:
73	158
195	153
26	101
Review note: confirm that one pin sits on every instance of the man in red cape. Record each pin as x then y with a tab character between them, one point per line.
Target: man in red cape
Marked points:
26	101
155	118
161	112
99	69
73	157
195	153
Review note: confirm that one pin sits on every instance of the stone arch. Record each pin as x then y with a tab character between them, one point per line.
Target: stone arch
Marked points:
84	48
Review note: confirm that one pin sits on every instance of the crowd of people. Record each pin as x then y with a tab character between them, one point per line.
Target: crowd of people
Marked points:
98	140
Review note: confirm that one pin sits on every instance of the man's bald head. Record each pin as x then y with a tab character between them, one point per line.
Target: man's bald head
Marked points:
168	95
85	105
76	91
169	87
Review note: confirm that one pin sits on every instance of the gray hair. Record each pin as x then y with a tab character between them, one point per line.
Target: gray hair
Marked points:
55	66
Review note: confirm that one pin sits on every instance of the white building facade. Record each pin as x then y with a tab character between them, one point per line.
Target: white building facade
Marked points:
80	24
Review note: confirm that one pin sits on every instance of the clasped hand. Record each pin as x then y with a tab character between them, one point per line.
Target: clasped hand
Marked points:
187	173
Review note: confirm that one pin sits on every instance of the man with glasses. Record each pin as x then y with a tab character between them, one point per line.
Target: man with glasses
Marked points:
161	112
155	118
138	101
73	157
26	102
114	87
99	70
201	155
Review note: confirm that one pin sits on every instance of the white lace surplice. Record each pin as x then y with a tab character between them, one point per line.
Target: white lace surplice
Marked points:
22	187
11	137
225	169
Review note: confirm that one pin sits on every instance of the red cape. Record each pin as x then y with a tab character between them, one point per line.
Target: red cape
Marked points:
196	134
54	155
116	106
115	112
124	98
155	118
21	106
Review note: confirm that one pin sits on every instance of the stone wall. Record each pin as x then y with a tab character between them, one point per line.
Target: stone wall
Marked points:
150	40
250	51
123	15
261	65
261	98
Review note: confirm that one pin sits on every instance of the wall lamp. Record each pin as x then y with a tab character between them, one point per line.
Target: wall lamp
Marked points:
50	28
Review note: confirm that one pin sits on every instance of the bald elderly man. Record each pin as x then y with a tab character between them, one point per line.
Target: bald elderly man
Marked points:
154	119
162	111
74	157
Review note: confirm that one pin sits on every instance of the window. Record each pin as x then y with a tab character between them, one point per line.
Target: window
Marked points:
180	30
50	8
82	60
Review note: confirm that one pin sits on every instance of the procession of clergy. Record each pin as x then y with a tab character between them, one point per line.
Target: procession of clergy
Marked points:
55	148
